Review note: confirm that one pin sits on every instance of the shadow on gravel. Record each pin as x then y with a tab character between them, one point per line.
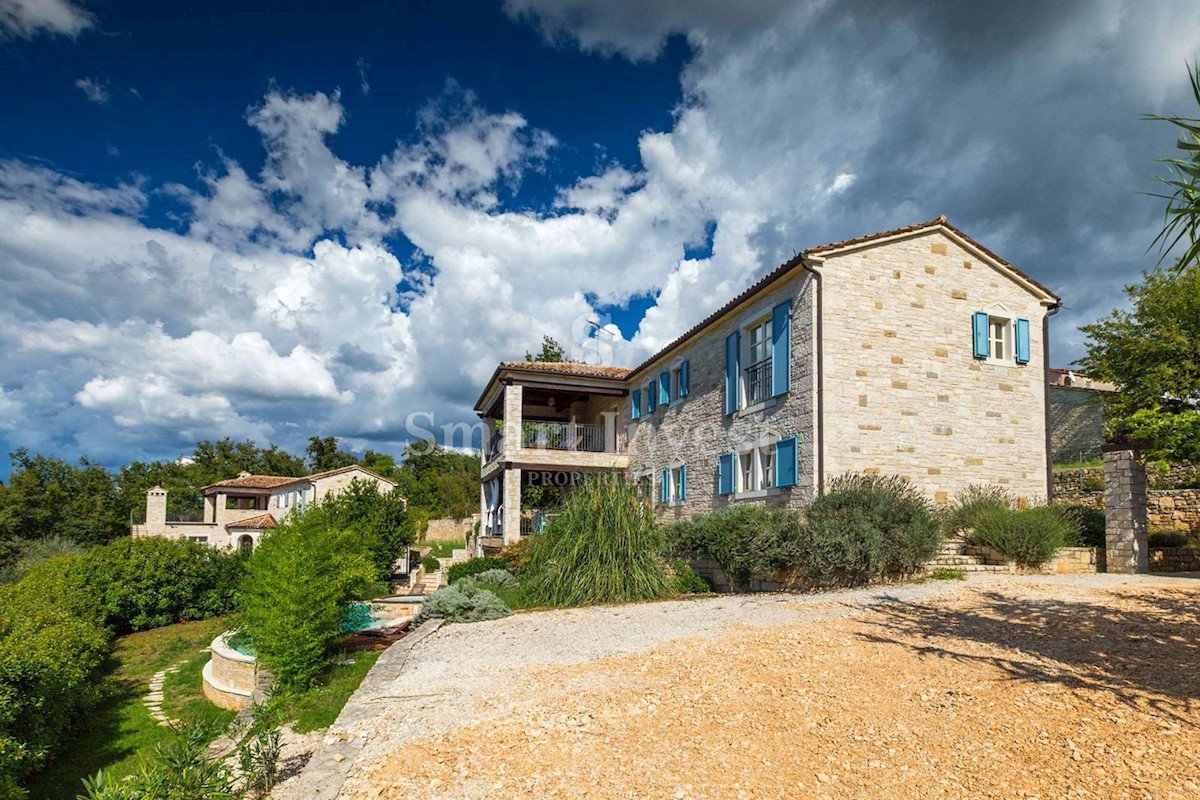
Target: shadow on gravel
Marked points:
1149	648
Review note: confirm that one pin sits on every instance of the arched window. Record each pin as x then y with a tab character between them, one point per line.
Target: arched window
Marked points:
246	544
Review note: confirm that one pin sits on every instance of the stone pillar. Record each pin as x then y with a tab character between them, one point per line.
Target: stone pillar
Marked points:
156	511
1126	547
219	508
512	504
513	396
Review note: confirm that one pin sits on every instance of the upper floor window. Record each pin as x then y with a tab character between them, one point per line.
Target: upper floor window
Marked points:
1000	339
758	359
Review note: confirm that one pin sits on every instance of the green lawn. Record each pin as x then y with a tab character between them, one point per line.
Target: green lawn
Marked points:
114	735
444	549
319	706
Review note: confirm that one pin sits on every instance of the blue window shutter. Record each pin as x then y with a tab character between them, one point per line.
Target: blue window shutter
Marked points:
1022	341
683	379
635	408
980	329
665	493
651	397
733	349
725	474
664	388
683	482
781	348
786	464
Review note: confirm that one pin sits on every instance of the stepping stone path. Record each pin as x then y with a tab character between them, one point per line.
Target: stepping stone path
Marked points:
154	698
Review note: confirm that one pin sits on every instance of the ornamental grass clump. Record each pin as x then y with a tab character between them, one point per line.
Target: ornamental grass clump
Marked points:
969	502
493	577
465	601
1030	537
603	547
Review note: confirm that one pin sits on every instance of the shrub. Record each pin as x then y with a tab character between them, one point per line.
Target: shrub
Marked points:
293	597
1167	538
22	555
472	566
150	582
1030	536
744	540
960	515
515	557
431	564
493	577
51	660
462	602
603	547
381	522
685	579
867	527
1091	523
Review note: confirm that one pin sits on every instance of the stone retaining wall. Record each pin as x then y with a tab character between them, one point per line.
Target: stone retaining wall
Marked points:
1075	560
450	529
1174	559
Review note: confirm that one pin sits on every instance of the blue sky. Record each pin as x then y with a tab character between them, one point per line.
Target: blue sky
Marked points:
307	218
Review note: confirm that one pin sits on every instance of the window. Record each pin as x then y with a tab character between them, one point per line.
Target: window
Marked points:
756	469
998	339
645	485
746	483
758	357
678	492
766	467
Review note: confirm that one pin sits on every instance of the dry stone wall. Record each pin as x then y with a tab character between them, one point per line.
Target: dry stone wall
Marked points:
1166	509
1076	424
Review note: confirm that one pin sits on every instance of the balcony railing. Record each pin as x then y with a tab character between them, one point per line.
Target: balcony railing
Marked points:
758	382
536	521
495	446
572	436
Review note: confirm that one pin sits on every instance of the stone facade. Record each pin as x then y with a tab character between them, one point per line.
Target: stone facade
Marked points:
1126	546
903	392
1175	559
696	431
1076	424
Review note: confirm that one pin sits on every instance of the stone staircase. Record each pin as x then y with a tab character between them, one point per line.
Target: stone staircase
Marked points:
958	553
437	580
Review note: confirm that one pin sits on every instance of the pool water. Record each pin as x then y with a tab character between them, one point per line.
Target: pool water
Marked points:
242	643
356	617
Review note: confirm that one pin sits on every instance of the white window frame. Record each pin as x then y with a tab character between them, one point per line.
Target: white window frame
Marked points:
762	482
759	319
648	476
1008	356
676	381
673	475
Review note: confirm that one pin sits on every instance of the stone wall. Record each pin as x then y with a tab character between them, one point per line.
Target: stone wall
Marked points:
1075	560
450	529
695	430
1166	509
1076	424
904	393
1175	559
1126	547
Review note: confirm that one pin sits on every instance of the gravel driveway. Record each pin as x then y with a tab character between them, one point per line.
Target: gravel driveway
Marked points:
1003	686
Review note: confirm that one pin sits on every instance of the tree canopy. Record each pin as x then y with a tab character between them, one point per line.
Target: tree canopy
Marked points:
1152	352
552	351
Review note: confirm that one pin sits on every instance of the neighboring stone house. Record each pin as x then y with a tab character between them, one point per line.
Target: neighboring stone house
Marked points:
237	511
915	352
1076	416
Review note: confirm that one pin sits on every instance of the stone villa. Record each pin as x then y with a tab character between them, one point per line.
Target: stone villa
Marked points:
915	352
238	510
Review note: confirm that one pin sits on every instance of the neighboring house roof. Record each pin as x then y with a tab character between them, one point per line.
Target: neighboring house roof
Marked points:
262	521
248	481
1073	380
821	251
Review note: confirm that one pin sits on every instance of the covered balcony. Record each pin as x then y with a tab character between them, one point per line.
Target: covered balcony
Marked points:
550	422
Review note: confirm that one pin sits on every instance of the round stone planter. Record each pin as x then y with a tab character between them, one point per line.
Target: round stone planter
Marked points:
229	676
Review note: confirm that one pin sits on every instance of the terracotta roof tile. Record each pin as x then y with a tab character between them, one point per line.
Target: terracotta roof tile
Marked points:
568	368
253	482
261	521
